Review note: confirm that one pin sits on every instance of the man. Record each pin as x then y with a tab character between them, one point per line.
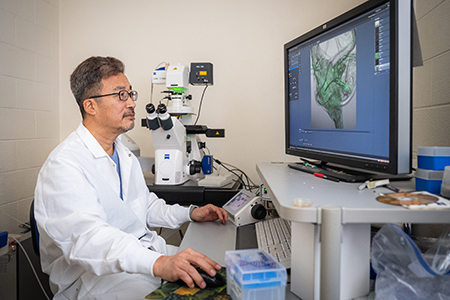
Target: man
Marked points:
93	208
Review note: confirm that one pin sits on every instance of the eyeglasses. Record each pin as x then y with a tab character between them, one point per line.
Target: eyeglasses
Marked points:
123	95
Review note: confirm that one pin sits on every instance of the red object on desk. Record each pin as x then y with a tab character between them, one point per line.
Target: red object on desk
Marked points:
326	177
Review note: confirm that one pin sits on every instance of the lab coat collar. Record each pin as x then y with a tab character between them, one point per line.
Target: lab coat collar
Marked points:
91	143
125	157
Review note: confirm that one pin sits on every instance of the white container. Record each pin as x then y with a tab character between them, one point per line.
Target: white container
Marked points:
254	275
445	187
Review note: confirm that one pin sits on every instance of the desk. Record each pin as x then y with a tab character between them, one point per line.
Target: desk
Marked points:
213	239
331	239
191	193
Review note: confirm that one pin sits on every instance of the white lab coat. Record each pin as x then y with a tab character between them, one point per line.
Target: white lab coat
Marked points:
86	231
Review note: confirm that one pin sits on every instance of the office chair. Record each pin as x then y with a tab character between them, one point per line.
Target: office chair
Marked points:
34	230
32	283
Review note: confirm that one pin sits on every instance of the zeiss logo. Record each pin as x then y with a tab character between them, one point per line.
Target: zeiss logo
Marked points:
167	156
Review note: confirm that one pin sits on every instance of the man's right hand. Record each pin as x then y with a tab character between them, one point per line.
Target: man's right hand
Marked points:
182	266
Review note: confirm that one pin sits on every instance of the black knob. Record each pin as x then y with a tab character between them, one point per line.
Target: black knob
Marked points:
153	169
162	108
195	167
258	212
150	108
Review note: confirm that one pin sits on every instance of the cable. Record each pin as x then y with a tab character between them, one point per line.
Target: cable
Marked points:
220	163
26	226
200	106
32	267
151	92
249	181
249	185
206	148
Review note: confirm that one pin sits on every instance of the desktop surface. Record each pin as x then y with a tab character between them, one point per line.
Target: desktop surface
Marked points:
358	206
211	239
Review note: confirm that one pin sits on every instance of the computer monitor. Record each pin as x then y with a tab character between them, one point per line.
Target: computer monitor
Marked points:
348	94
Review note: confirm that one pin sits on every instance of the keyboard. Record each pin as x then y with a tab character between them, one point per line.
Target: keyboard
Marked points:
274	236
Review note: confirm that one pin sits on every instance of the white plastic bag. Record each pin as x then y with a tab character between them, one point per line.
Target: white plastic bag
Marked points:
404	273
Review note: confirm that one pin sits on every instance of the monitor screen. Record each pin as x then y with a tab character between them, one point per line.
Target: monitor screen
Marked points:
348	89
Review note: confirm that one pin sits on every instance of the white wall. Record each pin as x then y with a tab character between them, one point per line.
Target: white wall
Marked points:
243	39
29	106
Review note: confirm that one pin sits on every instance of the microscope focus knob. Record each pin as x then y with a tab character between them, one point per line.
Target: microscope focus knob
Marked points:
150	108
195	167
258	212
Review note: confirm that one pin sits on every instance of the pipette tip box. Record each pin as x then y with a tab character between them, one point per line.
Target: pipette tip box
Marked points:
254	274
433	158
429	180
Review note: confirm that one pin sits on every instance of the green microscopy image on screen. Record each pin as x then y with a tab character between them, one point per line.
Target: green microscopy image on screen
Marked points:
333	82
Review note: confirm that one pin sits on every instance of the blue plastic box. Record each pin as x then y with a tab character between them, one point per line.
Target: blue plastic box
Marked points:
433	158
429	180
254	275
3	238
3	243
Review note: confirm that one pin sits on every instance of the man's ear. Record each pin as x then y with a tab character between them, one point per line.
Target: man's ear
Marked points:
90	106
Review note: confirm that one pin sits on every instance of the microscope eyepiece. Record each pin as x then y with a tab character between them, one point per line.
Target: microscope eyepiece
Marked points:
164	117
162	109
150	108
152	117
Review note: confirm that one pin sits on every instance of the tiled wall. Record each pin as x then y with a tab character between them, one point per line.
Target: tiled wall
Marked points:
431	81
431	116
29	102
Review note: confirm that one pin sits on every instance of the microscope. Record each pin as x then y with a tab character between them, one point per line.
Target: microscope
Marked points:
179	154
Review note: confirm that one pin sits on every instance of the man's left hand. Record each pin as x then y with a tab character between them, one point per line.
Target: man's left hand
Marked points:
209	213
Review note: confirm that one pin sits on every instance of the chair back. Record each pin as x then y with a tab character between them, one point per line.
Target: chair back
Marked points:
34	230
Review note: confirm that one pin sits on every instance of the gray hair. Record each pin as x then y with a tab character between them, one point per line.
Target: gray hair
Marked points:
86	79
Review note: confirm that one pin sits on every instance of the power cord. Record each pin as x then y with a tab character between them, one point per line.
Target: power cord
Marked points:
200	105
248	184
32	267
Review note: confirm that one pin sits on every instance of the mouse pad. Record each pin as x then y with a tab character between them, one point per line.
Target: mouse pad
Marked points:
180	291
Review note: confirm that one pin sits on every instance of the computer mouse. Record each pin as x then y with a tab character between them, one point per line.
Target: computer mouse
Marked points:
211	281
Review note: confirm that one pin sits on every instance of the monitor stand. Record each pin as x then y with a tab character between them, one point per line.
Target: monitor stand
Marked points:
344	174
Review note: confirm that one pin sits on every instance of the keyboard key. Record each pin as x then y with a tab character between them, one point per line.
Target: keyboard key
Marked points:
274	236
